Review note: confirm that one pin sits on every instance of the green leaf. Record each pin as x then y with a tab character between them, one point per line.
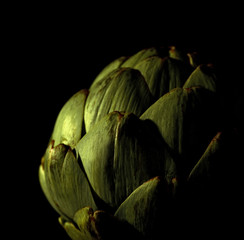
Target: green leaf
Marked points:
176	53
139	56
43	181
64	182
108	69
214	189
163	74
72	231
208	163
68	126
148	208
219	169
119	153
178	72
203	76
98	225
151	68
187	120
110	227
124	89
83	225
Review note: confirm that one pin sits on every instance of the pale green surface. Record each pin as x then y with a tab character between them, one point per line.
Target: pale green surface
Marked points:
43	180
85	222
68	126
151	68
139	56
73	232
163	74
202	76
168	113
64	183
119	153
43	183
124	89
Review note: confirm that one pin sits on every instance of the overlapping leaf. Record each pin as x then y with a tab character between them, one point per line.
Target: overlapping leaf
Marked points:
203	76
186	119
98	225
119	153
124	89
140	56
108	69
138	133
63	182
147	208
163	74
69	123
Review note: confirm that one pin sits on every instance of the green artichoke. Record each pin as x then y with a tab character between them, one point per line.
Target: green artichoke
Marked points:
140	148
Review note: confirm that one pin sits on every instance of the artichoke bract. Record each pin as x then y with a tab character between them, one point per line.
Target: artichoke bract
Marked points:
141	148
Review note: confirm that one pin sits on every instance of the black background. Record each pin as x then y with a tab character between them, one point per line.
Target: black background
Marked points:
53	51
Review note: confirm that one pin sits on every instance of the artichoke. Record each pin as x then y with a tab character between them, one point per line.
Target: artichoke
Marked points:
142	150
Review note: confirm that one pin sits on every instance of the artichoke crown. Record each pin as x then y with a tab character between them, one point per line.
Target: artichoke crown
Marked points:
125	154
